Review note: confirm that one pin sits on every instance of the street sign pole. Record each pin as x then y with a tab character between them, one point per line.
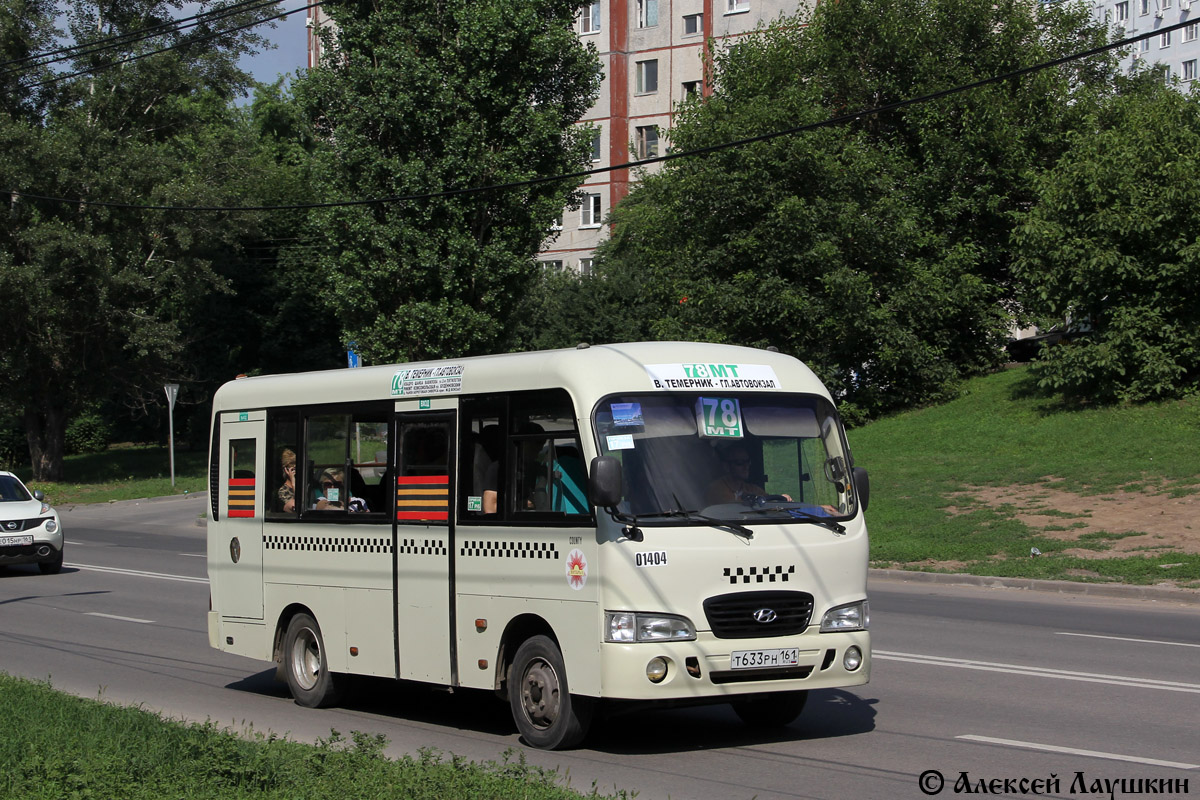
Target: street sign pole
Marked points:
172	392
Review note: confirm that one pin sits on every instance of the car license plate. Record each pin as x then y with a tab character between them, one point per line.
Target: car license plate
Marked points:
15	541
751	659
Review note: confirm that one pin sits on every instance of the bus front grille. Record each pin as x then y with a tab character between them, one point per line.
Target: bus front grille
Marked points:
751	615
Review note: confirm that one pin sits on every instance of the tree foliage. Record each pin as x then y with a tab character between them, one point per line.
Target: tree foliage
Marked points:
879	251
1112	245
100	299
419	98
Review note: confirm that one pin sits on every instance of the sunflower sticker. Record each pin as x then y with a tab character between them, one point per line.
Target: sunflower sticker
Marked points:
576	569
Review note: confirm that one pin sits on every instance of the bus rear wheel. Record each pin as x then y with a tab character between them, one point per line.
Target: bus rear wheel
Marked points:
306	667
546	713
773	710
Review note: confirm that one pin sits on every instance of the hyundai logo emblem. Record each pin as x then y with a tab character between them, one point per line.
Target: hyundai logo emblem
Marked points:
765	615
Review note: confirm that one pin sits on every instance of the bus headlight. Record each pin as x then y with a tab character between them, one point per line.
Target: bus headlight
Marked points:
629	626
850	617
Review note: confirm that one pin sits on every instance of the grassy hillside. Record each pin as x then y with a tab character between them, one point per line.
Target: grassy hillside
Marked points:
974	485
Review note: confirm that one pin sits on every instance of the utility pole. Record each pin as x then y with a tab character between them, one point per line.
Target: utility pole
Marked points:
172	393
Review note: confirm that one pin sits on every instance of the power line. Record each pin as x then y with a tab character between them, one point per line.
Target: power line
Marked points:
120	40
577	177
182	45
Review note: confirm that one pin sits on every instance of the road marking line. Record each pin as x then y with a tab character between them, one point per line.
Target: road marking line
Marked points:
1127	639
122	619
194	555
1040	672
1050	748
139	573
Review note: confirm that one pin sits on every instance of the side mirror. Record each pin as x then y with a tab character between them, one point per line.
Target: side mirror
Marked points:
37	495
863	484
604	484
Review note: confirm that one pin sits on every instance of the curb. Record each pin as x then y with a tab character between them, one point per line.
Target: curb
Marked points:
1169	594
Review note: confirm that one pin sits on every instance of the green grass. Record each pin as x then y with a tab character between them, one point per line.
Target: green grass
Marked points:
126	472
999	433
53	745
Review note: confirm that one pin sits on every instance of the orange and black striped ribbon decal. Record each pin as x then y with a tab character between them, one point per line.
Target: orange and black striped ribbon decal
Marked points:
423	497
241	497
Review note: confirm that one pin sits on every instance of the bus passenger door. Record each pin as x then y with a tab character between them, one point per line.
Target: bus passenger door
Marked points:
424	482
235	553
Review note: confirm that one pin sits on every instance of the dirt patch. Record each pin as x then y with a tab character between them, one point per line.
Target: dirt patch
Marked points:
1146	521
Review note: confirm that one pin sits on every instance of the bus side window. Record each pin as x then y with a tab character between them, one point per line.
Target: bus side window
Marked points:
283	476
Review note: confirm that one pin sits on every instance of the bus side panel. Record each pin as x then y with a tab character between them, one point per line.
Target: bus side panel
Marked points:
344	569
546	572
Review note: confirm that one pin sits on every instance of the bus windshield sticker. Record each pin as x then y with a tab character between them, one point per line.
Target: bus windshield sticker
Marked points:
474	503
719	417
713	376
428	380
627	415
621	441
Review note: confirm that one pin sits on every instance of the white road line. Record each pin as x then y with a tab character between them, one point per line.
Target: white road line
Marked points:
1126	639
1051	748
194	555
122	619
1039	672
140	574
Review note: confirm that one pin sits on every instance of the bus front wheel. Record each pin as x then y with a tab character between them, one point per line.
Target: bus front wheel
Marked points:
547	715
305	664
773	710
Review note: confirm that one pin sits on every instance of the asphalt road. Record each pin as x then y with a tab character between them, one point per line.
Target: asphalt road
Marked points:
1064	695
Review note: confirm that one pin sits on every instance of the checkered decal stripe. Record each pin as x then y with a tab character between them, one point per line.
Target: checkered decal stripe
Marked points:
509	550
241	497
423	547
328	544
423	497
778	574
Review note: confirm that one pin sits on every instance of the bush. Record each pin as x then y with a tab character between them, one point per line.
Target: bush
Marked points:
88	433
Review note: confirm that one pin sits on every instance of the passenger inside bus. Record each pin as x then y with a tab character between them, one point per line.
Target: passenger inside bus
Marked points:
328	491
733	485
287	492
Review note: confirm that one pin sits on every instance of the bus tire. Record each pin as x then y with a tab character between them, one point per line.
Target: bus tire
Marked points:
306	667
773	710
547	715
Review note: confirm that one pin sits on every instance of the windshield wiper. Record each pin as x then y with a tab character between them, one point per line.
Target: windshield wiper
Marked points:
678	513
757	505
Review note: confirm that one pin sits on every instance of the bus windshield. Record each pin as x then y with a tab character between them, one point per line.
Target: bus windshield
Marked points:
738	458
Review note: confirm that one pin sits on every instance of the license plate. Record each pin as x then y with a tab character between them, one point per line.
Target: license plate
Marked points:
15	541
751	659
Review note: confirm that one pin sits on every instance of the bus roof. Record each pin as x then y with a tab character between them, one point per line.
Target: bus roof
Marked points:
586	372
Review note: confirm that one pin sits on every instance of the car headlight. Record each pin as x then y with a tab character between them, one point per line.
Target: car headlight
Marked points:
850	617
51	525
45	508
629	626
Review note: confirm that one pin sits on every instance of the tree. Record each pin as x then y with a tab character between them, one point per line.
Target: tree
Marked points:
97	298
1112	246
423	98
879	250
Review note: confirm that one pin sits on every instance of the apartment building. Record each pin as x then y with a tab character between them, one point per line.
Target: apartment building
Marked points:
1175	52
652	58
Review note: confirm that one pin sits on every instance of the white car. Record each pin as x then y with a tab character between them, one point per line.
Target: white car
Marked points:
30	531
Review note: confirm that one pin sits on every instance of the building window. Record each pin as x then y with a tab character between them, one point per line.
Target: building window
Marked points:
589	18
585	266
1190	32
1165	4
552	265
690	89
736	6
1165	39
590	213
647	141
647	13
1189	70
1122	11
1143	7
693	24
1145	45
647	76
596	146
557	224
